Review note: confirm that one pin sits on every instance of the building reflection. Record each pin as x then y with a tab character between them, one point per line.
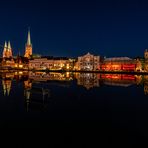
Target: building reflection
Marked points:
7	82
123	80
6	86
42	76
145	84
87	80
27	88
35	95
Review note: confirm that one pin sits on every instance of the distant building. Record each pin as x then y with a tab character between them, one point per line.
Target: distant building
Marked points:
140	64
146	54
7	52
28	49
88	62
146	60
21	62
51	63
145	77
8	60
119	64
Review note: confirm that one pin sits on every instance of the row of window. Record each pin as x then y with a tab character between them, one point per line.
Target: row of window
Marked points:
85	64
46	65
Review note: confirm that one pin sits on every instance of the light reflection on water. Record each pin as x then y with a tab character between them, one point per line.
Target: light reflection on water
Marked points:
102	101
36	86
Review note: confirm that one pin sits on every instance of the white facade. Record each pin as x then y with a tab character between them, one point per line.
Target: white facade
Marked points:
88	62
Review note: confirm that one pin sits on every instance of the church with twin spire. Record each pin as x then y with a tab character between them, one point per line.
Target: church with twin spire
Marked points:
7	51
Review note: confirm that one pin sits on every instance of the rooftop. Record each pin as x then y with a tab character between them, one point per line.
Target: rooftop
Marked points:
118	59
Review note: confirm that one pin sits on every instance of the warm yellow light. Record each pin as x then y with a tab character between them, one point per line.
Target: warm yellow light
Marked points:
20	72
67	66
20	66
67	74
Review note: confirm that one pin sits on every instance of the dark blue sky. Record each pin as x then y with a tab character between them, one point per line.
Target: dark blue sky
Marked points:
74	27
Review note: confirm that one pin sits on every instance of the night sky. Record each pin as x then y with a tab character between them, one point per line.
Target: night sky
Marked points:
75	27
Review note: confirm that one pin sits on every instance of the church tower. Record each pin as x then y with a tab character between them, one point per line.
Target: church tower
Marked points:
28	50
7	52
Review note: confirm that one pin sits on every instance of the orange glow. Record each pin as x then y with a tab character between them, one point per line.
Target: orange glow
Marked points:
118	77
128	77
20	66
110	76
124	67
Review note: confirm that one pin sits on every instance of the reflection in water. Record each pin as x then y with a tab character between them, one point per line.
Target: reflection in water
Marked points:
27	88
6	86
34	95
146	84
37	99
87	80
42	76
118	79
7	82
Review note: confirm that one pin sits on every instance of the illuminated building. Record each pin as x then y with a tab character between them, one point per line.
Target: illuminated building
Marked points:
8	60
28	50
145	82
21	62
139	64
119	64
146	60
88	62
7	52
146	54
51	64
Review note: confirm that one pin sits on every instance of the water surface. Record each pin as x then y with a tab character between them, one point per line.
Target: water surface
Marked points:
113	106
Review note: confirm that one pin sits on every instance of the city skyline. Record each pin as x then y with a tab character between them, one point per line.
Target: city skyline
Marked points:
108	28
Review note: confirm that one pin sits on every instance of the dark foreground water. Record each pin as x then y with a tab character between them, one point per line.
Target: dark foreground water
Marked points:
74	109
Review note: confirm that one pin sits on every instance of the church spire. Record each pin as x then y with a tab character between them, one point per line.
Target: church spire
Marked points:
29	38
5	46
28	50
9	46
5	50
9	54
